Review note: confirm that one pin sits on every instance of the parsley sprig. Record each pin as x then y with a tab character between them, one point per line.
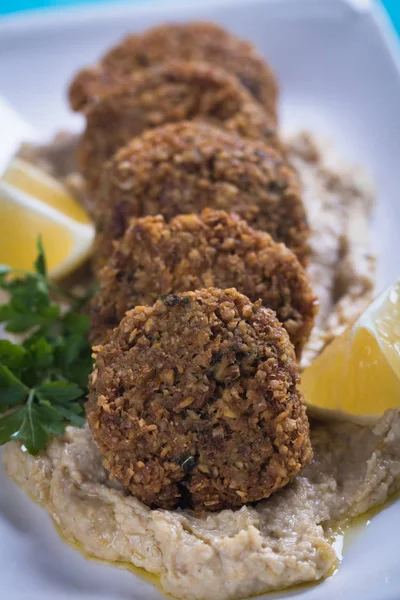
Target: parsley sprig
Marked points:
43	380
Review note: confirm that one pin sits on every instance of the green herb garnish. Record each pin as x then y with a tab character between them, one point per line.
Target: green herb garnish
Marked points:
43	380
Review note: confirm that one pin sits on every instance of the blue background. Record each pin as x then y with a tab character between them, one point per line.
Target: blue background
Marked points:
14	6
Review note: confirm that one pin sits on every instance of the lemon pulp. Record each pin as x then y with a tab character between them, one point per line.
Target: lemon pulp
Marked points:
37	183
33	204
358	375
18	240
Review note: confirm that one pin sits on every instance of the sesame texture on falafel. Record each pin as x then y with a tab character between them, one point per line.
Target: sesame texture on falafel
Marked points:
168	93
185	167
194	402
213	249
206	42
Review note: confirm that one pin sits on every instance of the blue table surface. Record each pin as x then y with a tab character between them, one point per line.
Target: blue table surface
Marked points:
15	6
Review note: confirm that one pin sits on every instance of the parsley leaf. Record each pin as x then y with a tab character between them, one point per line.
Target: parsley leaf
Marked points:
12	355
10	424
58	391
40	262
41	352
33	431
12	389
43	380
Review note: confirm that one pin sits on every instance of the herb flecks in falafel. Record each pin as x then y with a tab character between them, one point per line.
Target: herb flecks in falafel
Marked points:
206	42
185	167
239	421
198	251
169	93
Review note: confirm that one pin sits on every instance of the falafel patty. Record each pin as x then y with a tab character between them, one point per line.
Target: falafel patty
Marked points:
194	402
214	249
188	41
166	93
184	167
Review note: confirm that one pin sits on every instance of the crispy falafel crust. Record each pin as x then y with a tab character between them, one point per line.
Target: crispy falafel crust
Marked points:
214	249
194	402
168	93
189	41
185	167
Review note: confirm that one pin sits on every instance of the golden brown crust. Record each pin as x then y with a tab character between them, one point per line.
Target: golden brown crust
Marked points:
168	93
185	167
189	41
214	249
194	402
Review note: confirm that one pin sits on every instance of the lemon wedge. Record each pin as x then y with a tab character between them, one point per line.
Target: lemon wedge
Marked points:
31	204
357	377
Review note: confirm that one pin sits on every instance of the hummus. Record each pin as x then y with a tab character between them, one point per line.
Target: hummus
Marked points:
287	539
280	542
339	198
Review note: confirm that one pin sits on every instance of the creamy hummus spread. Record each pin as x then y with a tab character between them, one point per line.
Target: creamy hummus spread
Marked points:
339	198
280	542
286	539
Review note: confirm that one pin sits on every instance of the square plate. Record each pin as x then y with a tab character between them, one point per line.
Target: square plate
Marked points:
338	64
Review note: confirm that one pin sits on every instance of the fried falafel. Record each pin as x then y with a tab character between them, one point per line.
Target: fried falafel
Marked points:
168	93
214	249
194	402
185	167
204	42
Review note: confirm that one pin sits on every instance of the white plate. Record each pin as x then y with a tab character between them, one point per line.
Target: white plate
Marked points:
338	63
